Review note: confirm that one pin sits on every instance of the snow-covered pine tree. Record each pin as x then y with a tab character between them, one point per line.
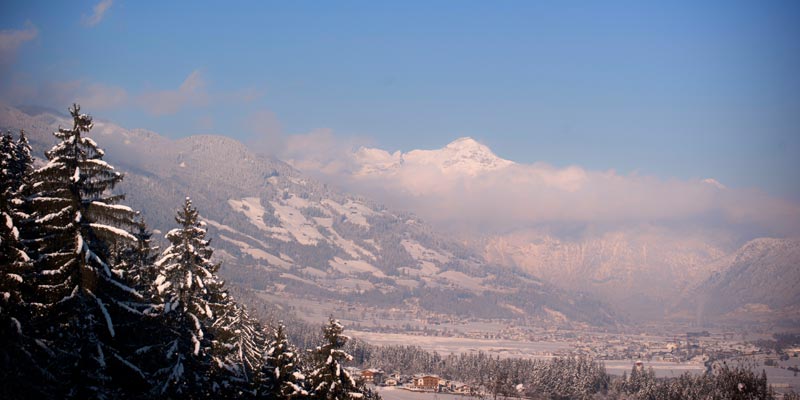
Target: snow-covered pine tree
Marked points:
138	259
329	380
280	375
187	287
20	172
80	301
17	171
143	257
22	165
236	346
16	165
18	368
7	150
13	258
12	169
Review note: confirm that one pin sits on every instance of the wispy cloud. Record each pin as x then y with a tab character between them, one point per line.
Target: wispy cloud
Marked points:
192	92
98	12
92	95
11	40
527	195
320	151
317	151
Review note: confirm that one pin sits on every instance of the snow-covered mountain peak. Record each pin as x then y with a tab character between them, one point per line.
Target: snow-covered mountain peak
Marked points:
466	143
462	156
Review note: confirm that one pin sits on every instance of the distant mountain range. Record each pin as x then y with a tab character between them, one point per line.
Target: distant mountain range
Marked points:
758	281
646	272
279	230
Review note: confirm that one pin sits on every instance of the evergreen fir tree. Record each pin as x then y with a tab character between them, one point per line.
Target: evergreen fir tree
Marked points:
7	151
22	165
14	169
236	346
187	288
137	260
20	171
329	380
14	262
634	383
16	165
280	375
13	258
19	371
17	176
143	258
80	300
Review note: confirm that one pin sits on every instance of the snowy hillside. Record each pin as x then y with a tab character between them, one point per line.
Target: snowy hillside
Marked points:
641	271
279	231
760	281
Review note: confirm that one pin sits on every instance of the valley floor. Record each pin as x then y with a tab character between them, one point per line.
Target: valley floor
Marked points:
394	393
670	350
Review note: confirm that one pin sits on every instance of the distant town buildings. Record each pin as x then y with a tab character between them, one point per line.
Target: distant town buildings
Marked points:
427	382
374	376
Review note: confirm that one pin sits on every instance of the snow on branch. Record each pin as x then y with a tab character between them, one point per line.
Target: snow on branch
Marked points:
91	255
114	207
109	324
71	295
124	288
113	231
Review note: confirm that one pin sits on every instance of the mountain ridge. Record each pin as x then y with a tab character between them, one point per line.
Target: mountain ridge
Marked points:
280	231
644	270
759	281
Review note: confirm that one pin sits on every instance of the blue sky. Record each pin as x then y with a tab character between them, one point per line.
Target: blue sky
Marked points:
682	89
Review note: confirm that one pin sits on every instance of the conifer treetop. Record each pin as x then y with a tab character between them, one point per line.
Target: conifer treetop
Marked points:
330	380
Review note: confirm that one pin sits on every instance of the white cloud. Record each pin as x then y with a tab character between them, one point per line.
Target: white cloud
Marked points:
320	151
714	182
191	92
317	151
21	88
11	40
98	12
91	95
521	195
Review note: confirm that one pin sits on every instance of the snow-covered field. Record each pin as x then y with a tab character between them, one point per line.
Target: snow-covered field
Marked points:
393	393
663	369
454	345
517	349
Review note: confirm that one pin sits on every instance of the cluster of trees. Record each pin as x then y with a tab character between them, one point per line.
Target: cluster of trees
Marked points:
90	309
562	377
565	377
781	341
724	382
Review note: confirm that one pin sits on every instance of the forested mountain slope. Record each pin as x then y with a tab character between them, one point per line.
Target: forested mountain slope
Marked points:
280	231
